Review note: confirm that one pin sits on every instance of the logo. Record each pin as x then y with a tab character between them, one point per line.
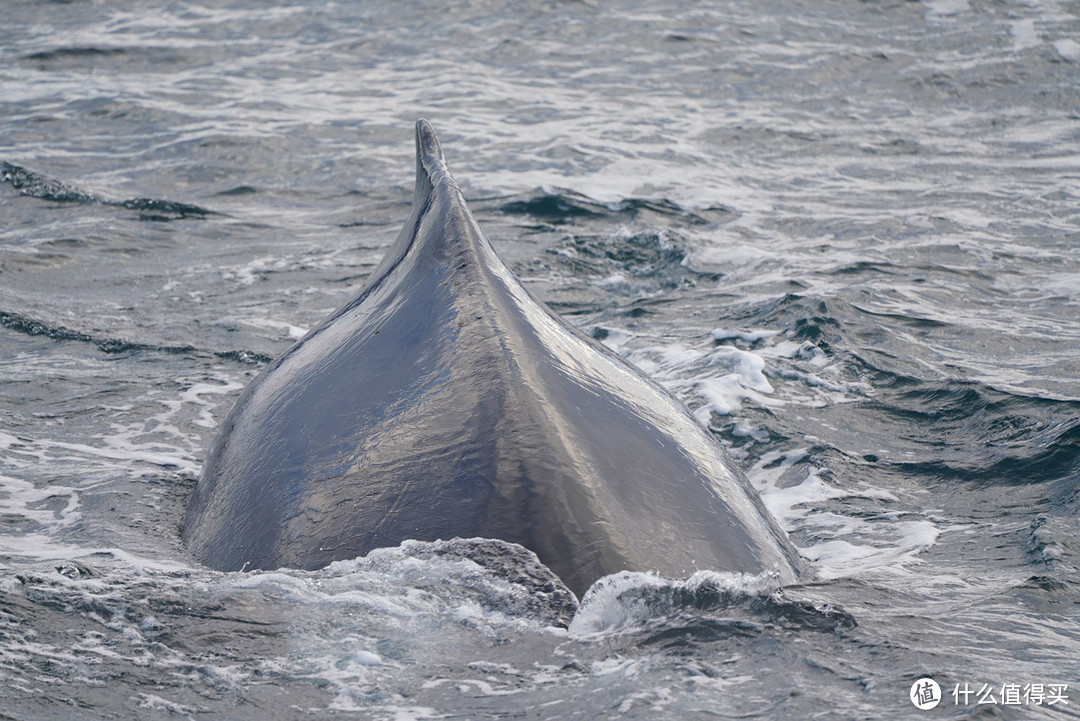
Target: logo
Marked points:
925	694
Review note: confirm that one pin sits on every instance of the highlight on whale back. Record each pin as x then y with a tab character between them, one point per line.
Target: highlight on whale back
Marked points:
445	401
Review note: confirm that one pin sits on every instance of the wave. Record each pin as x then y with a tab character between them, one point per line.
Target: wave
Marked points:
36	185
560	206
78	53
973	433
537	593
30	326
83	57
708	605
624	259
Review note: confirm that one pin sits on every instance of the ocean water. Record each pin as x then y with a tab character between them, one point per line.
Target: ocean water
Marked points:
845	234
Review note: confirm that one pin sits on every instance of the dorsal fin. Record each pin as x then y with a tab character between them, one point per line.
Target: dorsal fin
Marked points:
430	164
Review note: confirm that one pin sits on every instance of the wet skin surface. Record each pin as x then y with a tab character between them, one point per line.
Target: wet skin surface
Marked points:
445	401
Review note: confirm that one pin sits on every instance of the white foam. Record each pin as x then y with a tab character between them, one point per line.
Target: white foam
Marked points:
841	559
724	394
117	452
676	356
131	440
773	473
742	429
150	702
1023	33
1069	49
192	396
749	367
1045	541
423	603
401	713
796	494
657	699
293	331
727	256
18	495
945	8
48	547
618	665
251	272
614	281
691	371
233	676
480	687
607	606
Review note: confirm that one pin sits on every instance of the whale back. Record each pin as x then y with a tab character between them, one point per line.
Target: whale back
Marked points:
445	401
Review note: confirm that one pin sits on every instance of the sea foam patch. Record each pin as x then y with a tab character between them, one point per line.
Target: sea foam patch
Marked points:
1068	49
358	633
294	332
843	531
1024	35
759	367
630	600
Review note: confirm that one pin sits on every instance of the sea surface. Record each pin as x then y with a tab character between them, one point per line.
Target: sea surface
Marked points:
845	234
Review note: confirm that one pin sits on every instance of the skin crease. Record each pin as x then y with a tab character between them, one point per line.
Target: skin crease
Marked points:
445	401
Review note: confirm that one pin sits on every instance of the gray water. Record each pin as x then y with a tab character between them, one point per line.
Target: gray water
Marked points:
846	235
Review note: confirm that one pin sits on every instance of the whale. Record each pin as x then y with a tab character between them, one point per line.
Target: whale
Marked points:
445	401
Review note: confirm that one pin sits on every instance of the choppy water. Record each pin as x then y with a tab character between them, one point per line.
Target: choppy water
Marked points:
846	234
